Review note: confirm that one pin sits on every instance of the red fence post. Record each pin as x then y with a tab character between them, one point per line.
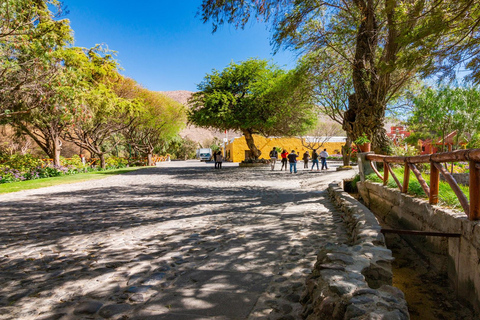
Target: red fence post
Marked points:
385	173
434	183
406	178
474	213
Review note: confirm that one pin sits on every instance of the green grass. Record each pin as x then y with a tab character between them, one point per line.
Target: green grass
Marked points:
446	196
47	182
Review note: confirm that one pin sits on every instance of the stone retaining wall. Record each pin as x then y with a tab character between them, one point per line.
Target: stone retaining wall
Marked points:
353	281
459	258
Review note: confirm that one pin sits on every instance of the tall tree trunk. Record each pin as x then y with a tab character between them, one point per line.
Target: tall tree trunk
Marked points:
57	146
251	144
367	106
149	159
103	163
347	152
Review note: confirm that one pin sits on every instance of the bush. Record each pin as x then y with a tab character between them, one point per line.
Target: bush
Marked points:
116	162
335	157
20	162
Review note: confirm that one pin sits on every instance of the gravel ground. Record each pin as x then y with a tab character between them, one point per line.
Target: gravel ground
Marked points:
179	241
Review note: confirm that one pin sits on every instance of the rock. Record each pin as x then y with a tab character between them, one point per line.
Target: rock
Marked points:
113	310
88	307
286	308
354	311
293	297
138	289
137	297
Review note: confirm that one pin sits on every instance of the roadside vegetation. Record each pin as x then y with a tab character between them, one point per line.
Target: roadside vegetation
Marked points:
61	179
446	195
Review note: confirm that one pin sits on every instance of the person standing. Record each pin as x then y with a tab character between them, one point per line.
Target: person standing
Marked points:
284	155
292	158
219	159
273	157
315	159
323	157
306	156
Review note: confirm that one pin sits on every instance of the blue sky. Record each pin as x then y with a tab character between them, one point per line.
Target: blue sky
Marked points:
163	45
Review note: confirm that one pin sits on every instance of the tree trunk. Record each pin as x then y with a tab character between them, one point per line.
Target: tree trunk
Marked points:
57	145
251	144
366	109
346	152
103	164
149	159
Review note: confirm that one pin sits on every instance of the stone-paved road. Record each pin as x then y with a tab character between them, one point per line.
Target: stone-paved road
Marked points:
180	241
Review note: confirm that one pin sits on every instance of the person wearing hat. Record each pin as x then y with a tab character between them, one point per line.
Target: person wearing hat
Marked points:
292	159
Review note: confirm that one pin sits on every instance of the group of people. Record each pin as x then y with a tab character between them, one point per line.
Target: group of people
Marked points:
291	158
217	156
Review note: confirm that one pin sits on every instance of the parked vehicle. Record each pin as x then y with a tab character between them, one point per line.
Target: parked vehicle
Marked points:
204	154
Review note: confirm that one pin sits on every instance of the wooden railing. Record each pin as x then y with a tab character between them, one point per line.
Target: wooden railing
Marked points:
472	208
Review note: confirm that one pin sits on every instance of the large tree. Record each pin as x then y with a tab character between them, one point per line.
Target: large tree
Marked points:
30	35
386	42
255	98
158	121
102	112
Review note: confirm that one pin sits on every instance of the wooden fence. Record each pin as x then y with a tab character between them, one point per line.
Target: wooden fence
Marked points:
472	208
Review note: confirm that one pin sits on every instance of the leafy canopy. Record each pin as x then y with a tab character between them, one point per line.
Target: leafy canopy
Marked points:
255	97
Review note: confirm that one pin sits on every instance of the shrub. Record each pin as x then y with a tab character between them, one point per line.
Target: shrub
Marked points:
20	162
116	162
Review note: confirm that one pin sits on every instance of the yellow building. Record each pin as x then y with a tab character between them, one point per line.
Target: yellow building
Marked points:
237	150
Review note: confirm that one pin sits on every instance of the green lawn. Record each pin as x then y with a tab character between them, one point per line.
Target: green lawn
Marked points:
446	195
47	182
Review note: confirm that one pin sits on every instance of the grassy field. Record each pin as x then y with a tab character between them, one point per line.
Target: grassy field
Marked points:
47	182
446	195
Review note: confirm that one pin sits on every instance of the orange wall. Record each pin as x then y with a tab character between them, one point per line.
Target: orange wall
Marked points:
236	150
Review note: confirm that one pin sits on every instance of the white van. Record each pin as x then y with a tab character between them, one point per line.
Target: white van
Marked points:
204	154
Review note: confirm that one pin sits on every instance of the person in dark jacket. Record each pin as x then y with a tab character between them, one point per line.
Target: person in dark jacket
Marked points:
273	157
292	159
315	159
306	156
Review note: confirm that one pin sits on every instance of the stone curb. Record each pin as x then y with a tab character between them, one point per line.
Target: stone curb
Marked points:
354	280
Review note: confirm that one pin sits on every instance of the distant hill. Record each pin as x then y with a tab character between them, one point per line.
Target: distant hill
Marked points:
192	132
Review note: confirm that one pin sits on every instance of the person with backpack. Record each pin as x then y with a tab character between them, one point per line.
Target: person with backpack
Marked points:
273	157
315	159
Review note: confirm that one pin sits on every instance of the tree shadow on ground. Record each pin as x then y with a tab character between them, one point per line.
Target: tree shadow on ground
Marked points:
67	247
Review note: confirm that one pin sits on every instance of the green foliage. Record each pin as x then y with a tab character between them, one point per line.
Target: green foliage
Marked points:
254	97
251	95
20	162
439	111
116	162
182	148
446	195
407	151
362	139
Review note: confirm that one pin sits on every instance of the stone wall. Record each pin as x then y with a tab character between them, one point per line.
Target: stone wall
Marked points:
459	258
353	281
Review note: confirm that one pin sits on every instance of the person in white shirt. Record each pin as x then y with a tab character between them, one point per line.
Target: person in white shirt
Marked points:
323	158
